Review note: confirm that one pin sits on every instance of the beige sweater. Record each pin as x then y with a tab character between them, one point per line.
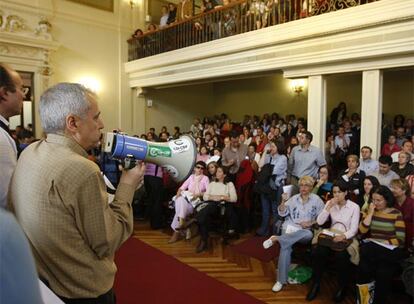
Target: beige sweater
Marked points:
216	188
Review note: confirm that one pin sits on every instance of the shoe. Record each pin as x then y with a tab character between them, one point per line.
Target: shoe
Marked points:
313	292
269	242
188	234
340	295
232	235
187	224
174	238
277	287
202	246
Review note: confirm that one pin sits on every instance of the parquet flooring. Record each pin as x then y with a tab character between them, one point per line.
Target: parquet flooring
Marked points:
246	274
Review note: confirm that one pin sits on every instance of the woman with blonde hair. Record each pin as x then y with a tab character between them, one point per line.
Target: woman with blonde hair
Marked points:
300	213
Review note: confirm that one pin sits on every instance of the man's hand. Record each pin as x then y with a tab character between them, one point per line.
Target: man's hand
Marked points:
179	192
134	176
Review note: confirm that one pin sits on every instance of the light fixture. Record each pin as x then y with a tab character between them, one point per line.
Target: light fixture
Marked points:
297	85
91	83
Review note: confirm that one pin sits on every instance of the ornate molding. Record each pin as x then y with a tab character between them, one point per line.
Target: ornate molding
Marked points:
20	42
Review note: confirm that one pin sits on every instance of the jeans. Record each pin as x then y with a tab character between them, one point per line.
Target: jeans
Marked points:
268	206
286	241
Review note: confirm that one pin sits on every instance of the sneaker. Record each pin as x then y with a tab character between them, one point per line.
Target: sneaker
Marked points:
277	287
269	242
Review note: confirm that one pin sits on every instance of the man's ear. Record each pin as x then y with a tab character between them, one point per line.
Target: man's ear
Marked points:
3	93
71	123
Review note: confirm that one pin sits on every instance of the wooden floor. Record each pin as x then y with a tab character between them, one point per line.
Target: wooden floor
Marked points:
243	273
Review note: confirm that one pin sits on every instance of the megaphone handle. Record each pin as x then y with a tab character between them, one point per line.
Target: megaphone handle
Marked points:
128	163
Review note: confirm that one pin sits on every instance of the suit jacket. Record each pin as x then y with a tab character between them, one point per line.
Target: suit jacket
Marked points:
60	200
184	10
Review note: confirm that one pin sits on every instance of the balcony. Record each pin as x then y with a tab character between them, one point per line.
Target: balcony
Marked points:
233	19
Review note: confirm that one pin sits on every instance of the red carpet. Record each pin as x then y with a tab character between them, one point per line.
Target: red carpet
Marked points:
147	275
253	247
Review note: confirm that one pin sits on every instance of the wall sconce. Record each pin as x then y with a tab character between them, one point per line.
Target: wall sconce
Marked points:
297	85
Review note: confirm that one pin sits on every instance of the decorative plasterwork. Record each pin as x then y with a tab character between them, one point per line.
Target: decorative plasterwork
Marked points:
369	36
23	45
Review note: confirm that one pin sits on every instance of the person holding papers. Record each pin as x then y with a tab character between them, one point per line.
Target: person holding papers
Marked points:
300	213
384	231
344	215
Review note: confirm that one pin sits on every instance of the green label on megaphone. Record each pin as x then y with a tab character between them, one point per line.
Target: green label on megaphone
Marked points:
159	151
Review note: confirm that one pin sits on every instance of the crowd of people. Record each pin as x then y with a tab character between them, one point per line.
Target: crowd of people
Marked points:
248	165
266	164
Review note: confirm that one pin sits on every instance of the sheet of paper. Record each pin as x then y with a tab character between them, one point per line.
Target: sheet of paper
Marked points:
292	228
110	186
47	295
388	246
288	190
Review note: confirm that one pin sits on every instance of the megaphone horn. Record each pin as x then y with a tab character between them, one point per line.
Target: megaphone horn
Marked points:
177	156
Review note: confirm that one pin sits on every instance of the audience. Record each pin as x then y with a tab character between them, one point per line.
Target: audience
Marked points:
188	196
344	217
220	193
381	225
300	213
405	204
366	163
384	173
270	201
232	151
164	18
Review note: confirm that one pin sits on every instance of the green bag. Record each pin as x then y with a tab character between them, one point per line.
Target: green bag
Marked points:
299	275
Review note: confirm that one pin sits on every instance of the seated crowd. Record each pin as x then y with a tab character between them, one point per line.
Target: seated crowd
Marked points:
243	168
261	166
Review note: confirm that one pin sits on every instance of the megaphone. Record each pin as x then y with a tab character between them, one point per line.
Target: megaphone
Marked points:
177	156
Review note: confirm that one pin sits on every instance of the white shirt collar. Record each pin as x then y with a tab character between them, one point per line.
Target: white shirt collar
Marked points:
4	120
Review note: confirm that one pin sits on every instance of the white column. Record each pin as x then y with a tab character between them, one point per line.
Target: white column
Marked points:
139	112
317	110
372	90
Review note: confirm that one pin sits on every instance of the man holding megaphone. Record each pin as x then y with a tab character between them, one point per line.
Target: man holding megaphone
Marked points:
59	198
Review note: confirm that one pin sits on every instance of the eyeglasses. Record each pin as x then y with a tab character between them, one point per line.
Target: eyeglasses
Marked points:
23	90
199	167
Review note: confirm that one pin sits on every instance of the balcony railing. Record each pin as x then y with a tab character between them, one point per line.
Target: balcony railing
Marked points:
236	18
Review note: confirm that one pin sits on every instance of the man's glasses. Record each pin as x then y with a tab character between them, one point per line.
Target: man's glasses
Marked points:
199	167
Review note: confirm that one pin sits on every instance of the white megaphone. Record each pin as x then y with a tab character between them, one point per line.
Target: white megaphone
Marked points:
177	156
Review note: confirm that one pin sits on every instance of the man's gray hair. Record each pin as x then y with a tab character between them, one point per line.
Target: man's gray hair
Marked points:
61	100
